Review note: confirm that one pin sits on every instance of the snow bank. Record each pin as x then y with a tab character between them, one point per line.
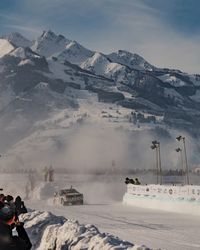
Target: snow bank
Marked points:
50	232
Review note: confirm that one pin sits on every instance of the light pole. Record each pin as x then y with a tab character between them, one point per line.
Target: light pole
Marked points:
179	150
181	138
156	146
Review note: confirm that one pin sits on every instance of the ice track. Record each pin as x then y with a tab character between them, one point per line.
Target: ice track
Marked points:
153	228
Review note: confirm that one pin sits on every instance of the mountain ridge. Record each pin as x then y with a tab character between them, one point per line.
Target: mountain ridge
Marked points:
56	73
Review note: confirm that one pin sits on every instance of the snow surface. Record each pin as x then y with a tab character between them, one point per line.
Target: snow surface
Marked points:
74	53
100	65
5	47
26	61
49	43
48	231
173	80
133	61
158	229
142	223
18	40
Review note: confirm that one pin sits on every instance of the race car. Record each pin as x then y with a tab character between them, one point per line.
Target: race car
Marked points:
68	197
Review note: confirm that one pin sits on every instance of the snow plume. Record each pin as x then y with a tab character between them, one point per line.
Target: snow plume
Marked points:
48	231
86	147
96	148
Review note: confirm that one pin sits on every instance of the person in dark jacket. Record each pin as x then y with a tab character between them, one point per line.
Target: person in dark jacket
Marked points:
19	206
7	223
137	181
2	197
132	181
9	199
127	181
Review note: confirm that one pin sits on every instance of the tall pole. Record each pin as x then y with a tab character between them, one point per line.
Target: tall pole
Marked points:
182	164
160	168
186	162
157	160
156	146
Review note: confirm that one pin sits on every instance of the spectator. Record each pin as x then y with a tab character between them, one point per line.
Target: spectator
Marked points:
7	222
19	206
51	174
137	181
2	197
132	181
127	181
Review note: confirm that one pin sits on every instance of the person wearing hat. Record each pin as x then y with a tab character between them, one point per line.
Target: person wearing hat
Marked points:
7	222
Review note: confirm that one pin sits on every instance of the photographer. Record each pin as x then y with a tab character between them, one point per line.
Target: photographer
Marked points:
7	222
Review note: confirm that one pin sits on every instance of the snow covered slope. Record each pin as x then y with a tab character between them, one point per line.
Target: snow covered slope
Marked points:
74	53
5	47
18	40
100	65
133	61
49	43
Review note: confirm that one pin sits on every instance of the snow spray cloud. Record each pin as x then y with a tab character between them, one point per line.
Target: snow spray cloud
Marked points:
90	147
97	148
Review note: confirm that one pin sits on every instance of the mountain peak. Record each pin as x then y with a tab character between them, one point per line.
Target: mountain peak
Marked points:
75	53
98	57
74	45
51	36
131	60
49	43
18	40
48	34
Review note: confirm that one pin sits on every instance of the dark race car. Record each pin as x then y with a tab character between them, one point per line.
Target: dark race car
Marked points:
68	197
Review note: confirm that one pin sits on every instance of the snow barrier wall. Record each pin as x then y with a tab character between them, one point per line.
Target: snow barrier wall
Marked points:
50	232
179	199
166	191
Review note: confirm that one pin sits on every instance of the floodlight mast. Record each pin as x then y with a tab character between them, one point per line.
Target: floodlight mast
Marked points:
179	150
160	169
179	138
156	146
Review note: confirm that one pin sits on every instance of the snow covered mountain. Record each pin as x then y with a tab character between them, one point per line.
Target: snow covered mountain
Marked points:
133	61
5	47
74	53
100	65
49	43
57	77
18	40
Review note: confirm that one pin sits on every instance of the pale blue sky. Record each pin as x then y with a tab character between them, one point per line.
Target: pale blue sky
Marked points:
165	32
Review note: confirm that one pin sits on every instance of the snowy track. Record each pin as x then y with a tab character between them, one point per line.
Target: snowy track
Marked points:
153	228
104	209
